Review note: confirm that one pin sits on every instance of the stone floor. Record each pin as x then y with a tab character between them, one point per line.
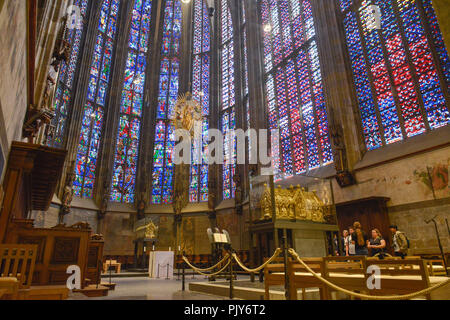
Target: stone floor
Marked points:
142	288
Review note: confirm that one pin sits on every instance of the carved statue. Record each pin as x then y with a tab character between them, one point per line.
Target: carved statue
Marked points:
67	196
147	231
105	199
141	205
266	203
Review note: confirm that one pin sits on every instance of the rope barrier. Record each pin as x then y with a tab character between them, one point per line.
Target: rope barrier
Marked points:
239	262
207	269
364	296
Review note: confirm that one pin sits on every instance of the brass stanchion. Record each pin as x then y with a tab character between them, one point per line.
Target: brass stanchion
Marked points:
231	278
167	276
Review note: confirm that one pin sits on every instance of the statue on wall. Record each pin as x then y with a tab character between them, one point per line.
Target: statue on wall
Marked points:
67	196
105	199
141	206
343	176
42	114
266	203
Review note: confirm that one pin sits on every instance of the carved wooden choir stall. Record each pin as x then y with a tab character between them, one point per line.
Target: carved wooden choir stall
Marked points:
34	261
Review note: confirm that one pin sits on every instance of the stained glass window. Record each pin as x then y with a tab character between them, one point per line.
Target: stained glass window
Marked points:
131	105
228	100
294	89
64	88
244	60
162	191
401	71
201	70
92	122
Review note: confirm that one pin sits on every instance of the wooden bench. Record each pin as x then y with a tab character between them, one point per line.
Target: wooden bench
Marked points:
299	277
17	264
273	276
398	277
111	263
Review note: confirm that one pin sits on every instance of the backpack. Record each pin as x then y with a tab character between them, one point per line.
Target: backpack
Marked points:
400	234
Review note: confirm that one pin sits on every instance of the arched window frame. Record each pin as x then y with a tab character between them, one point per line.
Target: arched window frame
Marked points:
293	88
64	93
201	91
168	90
96	99
128	135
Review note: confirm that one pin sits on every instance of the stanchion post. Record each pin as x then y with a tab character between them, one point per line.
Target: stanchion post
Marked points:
158	272
183	285
231	278
167	277
286	275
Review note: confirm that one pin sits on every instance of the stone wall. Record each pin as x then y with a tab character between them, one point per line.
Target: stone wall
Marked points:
118	232
422	236
419	189
13	72
442	8
82	215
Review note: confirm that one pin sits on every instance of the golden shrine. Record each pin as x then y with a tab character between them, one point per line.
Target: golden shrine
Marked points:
294	203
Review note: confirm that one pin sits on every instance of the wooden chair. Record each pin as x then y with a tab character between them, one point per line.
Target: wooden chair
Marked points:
112	264
17	261
273	276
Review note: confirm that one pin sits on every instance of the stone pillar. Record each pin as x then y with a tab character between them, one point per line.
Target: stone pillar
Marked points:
442	9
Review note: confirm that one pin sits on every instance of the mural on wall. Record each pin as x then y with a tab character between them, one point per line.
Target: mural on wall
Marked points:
422	177
435	178
165	234
187	236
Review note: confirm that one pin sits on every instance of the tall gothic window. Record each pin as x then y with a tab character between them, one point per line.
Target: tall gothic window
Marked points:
294	89
131	105
64	92
401	71
162	191
201	66
94	108
228	98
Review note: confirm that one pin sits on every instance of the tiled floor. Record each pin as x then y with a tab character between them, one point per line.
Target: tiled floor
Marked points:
142	288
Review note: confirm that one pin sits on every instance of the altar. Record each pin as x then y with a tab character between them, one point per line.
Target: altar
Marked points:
160	264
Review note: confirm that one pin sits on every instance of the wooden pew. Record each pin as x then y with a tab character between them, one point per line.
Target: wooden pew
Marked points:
300	278
58	248
398	277
273	276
